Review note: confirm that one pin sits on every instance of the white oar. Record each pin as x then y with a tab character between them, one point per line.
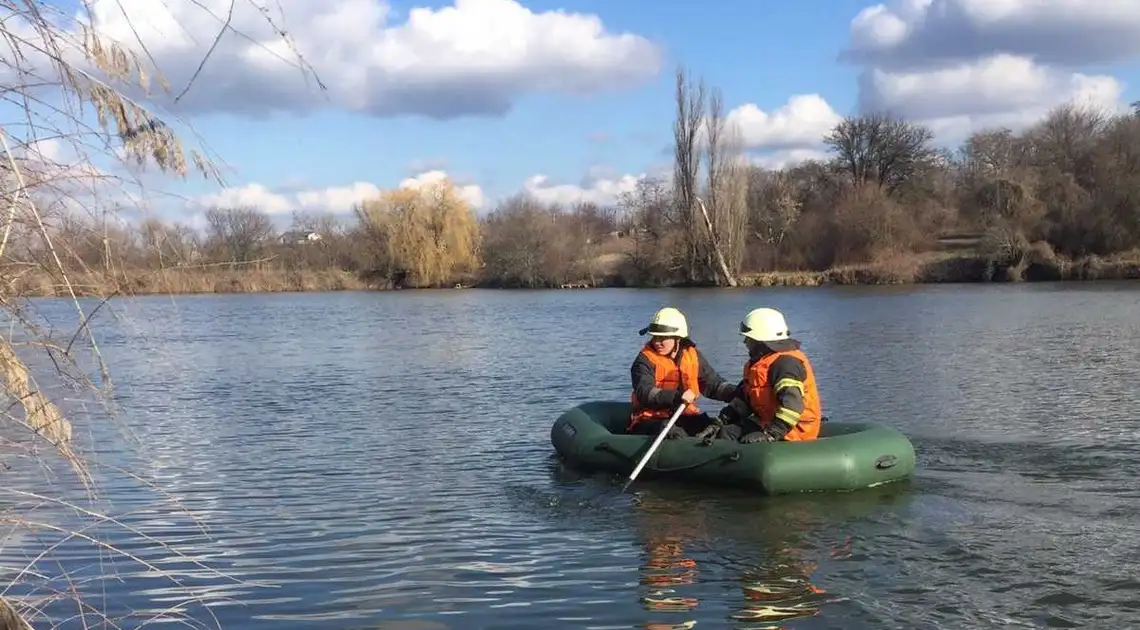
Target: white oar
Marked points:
656	443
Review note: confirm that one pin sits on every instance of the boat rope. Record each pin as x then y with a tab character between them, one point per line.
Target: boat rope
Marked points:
731	456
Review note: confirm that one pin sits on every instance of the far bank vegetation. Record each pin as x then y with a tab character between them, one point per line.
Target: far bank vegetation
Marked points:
1060	200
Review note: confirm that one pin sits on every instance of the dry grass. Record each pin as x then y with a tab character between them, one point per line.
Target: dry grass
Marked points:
182	281
1038	264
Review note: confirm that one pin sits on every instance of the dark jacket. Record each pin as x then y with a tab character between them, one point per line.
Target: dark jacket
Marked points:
786	367
644	378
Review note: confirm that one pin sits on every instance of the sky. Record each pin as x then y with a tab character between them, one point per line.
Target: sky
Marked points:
572	100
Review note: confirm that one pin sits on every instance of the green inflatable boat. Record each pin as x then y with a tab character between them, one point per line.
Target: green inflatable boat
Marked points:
847	456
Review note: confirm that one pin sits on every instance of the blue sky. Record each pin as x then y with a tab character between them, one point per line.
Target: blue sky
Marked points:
761	56
510	91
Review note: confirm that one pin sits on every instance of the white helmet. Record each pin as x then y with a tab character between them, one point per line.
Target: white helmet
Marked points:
667	322
765	324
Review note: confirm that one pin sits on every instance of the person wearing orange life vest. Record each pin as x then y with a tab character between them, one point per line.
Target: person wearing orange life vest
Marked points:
778	400
668	371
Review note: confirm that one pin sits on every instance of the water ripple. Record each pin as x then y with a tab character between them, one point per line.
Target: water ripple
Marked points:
318	470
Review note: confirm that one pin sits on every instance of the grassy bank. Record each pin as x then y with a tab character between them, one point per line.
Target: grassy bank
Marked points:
928	268
183	281
1037	265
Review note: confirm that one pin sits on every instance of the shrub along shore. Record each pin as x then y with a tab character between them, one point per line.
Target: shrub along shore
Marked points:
1057	201
1039	265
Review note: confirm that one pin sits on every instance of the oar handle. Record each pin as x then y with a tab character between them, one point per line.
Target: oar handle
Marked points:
653	447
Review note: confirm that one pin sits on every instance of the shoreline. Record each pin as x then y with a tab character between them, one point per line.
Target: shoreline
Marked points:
933	268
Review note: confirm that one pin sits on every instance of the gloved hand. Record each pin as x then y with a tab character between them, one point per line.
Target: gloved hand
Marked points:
728	415
757	436
688	397
708	434
676	432
777	429
771	432
735	411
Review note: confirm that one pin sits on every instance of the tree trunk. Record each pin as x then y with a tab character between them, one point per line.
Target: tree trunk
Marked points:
716	247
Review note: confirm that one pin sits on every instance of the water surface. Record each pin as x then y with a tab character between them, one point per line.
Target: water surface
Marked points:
361	460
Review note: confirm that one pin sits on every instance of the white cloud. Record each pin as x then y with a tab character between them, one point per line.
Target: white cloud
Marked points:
801	122
55	171
999	90
599	186
428	164
47	151
919	33
473	57
600	190
963	65
788	158
472	193
253	195
335	199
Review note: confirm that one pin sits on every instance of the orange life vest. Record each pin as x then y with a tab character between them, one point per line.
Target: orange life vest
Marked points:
762	396
681	374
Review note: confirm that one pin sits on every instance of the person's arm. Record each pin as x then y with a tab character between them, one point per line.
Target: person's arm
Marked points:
712	383
787	375
644	379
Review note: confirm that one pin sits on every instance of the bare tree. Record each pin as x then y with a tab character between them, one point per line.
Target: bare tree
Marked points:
994	185
774	206
238	234
882	148
726	189
596	220
690	104
168	245
1066	139
323	223
993	152
588	227
651	218
1084	159
328	249
517	235
650	209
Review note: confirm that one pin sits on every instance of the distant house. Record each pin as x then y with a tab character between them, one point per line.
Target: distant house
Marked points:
299	237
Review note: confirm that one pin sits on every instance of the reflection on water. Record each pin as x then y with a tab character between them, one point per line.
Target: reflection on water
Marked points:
750	561
350	461
777	589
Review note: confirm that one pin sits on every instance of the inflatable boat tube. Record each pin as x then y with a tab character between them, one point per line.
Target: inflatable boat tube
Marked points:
847	456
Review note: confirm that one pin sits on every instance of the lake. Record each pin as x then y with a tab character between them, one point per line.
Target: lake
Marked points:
382	460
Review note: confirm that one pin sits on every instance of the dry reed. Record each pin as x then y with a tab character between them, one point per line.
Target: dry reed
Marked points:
191	280
58	69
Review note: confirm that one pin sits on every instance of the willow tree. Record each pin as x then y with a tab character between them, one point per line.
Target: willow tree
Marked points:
71	84
428	234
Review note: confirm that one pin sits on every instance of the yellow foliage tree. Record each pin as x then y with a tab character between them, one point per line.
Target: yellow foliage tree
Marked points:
429	233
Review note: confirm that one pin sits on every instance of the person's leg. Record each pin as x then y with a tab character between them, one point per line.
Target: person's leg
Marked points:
685	426
647	427
730	432
736	431
747	428
694	424
653	427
